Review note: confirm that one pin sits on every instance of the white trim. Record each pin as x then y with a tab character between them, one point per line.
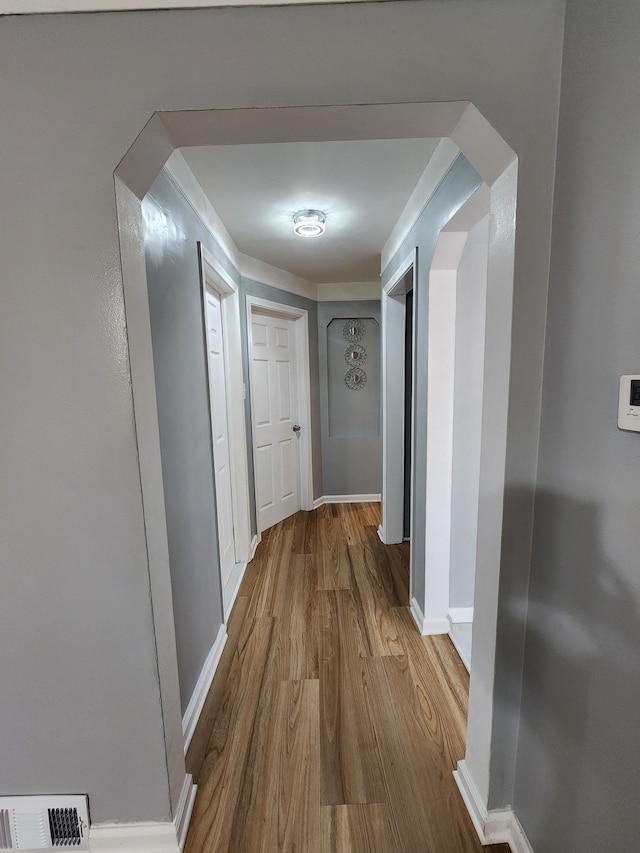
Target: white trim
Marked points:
492	827
427	627
393	309
38	7
350	291
215	277
460	614
381	534
393	286
136	294
497	826
186	182
230	591
351	499
300	316
133	838
184	809
275	277
518	840
482	145
463	653
441	161
254	544
200	691
495	410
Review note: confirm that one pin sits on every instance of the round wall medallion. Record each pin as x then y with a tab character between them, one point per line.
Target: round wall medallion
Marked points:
355	379
353	331
355	355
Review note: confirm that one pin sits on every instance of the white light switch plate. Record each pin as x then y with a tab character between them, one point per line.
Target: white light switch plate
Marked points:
629	414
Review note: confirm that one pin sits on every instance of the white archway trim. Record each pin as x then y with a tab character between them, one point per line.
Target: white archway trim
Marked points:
393	310
497	367
303	379
214	275
134	278
497	164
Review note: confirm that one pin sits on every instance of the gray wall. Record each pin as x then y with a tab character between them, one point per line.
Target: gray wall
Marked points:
456	187
265	291
76	628
172	230
471	297
351	443
578	768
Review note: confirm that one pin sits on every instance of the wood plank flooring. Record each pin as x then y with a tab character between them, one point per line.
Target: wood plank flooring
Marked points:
331	724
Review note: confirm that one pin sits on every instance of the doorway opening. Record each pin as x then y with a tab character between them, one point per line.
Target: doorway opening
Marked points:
465	131
457	318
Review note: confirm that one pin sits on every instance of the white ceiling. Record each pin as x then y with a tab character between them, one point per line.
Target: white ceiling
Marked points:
362	186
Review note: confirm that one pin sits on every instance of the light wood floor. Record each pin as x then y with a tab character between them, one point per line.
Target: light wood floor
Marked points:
331	725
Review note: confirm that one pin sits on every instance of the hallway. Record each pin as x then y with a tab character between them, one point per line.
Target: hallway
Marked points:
331	725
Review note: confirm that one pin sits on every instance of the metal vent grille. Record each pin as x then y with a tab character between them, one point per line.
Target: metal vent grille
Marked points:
66	829
5	830
30	830
47	823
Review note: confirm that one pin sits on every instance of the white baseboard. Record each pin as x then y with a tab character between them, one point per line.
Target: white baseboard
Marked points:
418	615
133	838
463	653
498	826
199	695
230	591
428	626
460	614
184	809
147	837
254	544
381	534
518	840
346	499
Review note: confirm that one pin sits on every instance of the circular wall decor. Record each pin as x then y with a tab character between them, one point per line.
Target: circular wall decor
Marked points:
353	331
355	355
355	379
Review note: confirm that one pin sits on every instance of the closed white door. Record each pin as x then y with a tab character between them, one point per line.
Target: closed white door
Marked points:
220	434
274	410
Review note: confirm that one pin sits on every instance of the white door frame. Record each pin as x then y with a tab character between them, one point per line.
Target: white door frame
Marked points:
393	308
300	318
214	276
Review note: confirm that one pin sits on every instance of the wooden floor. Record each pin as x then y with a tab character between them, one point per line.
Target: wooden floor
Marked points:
331	725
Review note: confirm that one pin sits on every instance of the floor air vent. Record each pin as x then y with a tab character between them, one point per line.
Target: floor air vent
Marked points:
44	823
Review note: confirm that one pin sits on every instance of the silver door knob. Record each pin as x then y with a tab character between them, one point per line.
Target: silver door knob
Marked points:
296	427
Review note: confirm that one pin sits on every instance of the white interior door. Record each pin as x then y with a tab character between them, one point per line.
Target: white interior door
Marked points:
274	408
220	434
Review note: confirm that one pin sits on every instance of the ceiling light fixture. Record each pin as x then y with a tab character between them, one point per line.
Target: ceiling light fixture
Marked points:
309	223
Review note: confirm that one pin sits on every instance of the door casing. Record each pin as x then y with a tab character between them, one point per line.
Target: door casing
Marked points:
214	276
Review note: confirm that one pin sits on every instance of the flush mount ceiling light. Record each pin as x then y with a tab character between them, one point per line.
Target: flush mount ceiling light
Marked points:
309	223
